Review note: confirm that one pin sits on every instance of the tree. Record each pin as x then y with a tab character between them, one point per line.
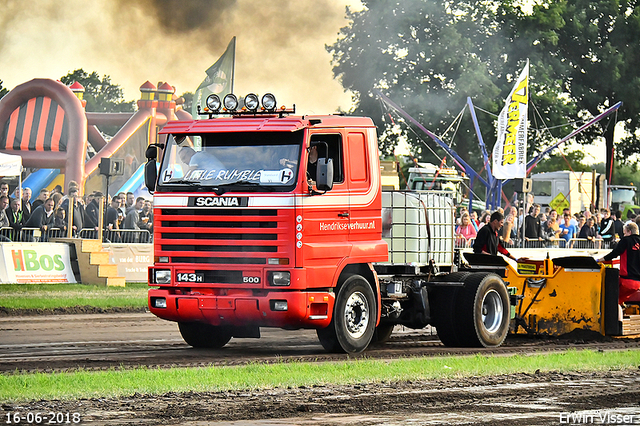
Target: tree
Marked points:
592	48
188	101
101	95
428	57
572	160
3	91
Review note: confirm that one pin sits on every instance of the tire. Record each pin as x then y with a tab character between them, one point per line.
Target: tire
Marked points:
354	316
382	333
482	311
200	335
443	310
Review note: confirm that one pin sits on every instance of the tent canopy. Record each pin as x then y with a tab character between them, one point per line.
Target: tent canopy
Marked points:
10	165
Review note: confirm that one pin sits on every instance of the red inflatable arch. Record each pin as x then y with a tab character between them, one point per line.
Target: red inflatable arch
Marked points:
44	122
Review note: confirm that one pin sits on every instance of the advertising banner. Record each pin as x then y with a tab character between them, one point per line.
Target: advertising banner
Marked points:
133	260
36	263
510	150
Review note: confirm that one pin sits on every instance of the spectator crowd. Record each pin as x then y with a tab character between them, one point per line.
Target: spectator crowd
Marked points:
548	228
53	214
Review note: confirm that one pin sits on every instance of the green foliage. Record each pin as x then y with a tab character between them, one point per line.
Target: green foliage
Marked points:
627	174
188	101
3	91
592	47
556	162
101	95
428	56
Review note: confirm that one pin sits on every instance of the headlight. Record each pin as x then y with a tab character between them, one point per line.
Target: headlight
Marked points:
279	305
269	102
280	278
213	102
231	102
163	277
159	302
251	102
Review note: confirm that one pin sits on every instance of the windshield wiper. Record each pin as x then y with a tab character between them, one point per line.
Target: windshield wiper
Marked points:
183	182
222	188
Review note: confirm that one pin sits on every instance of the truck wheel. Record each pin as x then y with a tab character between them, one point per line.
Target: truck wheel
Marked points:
443	309
483	311
354	316
382	333
200	335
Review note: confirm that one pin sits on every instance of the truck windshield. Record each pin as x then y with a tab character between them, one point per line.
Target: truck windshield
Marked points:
623	195
236	161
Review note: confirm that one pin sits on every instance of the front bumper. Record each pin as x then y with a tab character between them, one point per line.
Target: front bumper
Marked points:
304	309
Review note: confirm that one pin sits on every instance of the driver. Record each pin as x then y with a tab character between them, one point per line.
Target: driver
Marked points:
200	159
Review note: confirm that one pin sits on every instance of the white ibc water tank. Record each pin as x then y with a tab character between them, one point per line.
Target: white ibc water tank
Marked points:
404	227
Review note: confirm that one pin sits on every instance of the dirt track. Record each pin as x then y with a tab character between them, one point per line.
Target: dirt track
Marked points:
540	399
99	341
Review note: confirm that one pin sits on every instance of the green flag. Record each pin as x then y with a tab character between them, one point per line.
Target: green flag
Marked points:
219	79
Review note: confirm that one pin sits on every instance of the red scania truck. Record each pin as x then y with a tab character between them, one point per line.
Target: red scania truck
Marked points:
267	219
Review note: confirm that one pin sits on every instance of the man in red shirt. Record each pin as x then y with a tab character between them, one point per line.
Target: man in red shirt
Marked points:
629	251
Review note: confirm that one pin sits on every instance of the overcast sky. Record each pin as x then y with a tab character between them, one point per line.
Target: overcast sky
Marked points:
280	44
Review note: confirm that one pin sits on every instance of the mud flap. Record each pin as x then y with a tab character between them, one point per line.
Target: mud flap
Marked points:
612	327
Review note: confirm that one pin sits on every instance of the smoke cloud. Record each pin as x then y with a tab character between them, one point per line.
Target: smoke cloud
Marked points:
280	45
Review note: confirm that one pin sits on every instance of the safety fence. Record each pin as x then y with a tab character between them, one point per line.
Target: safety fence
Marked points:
108	236
560	243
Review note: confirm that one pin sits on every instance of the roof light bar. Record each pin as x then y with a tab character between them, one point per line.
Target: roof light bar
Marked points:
230	104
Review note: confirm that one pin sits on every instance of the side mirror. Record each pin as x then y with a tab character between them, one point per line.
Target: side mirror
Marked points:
150	173
324	174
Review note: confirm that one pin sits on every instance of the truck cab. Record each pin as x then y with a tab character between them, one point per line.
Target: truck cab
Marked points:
267	219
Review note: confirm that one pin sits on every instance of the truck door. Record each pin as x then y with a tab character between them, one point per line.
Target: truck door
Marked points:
363	212
324	235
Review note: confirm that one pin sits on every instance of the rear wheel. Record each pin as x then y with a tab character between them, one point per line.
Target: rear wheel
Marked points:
200	335
476	315
354	316
444	312
484	311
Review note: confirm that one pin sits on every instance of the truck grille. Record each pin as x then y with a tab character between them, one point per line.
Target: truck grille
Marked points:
220	236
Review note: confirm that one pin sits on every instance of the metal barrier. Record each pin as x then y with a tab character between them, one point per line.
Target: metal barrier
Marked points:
119	235
33	235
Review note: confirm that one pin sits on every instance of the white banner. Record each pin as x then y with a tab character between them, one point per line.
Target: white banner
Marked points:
36	263
510	150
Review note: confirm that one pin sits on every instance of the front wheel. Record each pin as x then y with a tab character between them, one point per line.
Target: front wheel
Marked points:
200	335
354	317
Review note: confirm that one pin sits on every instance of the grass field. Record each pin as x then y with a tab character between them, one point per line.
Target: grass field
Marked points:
51	296
116	383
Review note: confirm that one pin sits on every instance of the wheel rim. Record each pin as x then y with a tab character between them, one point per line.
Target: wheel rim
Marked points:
492	311
356	315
